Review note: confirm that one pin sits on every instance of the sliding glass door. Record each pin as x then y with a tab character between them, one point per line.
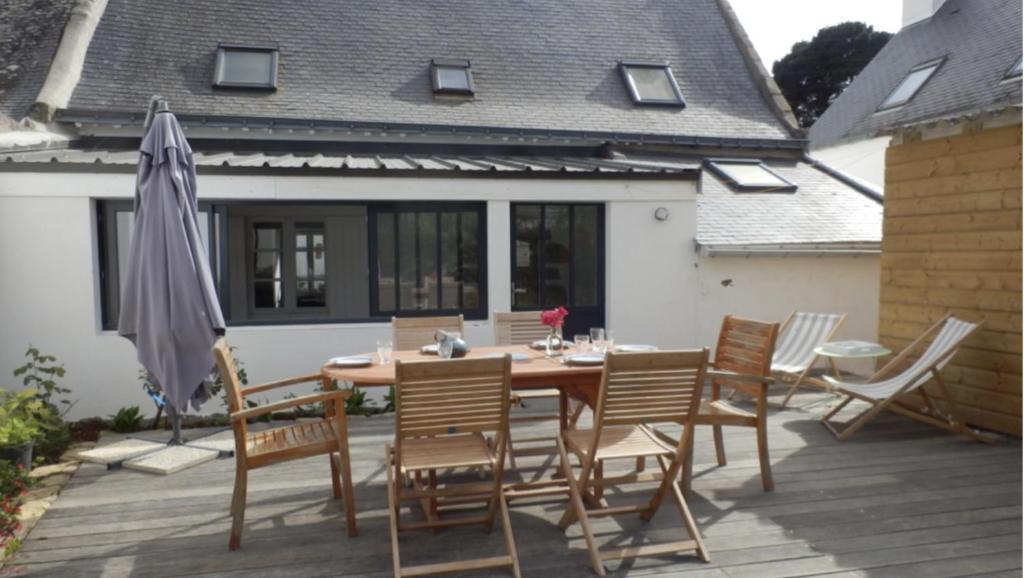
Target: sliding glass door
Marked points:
558	259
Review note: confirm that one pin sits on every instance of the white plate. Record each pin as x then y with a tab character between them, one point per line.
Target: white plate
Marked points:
541	344
635	348
515	356
585	359
351	361
429	349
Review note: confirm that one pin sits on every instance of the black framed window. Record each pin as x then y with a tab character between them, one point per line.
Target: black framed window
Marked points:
246	66
652	83
428	259
451	77
911	84
749	175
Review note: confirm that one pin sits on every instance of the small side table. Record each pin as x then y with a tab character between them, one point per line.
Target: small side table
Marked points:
849	350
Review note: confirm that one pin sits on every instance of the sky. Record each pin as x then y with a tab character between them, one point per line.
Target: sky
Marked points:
774	26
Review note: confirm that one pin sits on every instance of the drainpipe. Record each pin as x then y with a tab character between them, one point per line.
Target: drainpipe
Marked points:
66	68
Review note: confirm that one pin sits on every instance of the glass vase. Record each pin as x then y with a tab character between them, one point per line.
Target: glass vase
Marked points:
553	344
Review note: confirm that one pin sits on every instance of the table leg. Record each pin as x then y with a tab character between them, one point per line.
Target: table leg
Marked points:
563	411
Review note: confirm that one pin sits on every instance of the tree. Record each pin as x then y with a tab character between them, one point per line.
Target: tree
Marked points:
815	73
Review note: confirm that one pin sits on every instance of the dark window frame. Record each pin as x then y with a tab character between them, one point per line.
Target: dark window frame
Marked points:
626	65
436	64
218	69
716	166
375	209
1015	70
935	64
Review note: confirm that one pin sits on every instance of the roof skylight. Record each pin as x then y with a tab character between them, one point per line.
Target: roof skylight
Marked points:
651	83
750	176
1015	70
911	84
451	76
240	66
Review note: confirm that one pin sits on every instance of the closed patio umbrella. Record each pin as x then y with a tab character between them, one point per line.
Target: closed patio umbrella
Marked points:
169	308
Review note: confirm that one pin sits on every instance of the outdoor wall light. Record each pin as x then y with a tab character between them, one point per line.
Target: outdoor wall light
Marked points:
661	214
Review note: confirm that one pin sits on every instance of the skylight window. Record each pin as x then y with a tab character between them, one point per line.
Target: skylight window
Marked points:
750	176
651	83
451	77
246	67
910	85
1015	70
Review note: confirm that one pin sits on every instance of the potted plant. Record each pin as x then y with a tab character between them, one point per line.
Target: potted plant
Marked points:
19	425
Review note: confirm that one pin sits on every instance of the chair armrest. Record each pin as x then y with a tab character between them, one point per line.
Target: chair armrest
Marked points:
339	395
281	383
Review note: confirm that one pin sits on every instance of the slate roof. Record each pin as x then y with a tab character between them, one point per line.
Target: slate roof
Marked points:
30	31
547	64
822	211
981	39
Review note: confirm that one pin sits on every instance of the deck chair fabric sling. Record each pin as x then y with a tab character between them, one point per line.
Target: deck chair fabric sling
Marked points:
882	392
637	390
442	411
794	350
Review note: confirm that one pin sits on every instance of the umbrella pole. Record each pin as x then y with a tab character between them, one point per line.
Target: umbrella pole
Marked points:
172	412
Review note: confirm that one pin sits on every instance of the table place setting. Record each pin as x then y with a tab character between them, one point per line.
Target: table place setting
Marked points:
350	361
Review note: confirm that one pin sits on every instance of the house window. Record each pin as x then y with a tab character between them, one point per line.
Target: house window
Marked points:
750	176
451	77
651	83
246	67
1015	70
910	85
428	259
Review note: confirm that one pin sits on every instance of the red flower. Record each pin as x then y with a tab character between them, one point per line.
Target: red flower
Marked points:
555	317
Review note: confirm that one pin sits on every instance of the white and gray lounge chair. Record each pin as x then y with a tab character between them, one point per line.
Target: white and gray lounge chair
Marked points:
800	335
884	392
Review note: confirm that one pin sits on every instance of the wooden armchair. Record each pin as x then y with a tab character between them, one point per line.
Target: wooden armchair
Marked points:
745	347
300	440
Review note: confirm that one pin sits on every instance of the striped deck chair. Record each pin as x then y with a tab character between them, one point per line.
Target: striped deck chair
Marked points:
883	392
800	335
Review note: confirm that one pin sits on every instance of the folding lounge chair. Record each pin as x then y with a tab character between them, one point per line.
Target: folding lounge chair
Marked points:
794	352
442	410
884	392
637	391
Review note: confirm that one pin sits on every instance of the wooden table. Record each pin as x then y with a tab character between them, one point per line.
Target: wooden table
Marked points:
579	382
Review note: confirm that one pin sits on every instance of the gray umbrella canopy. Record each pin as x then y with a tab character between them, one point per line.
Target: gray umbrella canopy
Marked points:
169	308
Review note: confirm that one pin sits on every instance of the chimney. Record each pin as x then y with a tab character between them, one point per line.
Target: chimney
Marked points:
918	10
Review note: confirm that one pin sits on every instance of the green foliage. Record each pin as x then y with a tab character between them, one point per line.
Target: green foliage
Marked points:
43	374
389	400
356	403
126	420
14	483
14	480
312	410
19	417
815	73
55	436
260	418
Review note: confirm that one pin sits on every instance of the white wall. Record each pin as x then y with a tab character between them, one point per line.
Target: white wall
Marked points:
769	288
49	291
864	159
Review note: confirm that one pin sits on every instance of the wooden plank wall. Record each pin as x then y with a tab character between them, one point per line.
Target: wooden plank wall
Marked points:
952	242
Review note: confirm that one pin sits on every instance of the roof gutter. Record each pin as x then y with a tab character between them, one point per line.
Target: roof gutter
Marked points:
794	250
66	68
849	180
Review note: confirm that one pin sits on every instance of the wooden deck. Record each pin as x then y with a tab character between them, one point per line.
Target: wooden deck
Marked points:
899	499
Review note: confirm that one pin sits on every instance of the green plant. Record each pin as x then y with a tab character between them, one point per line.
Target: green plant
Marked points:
14	483
43	374
126	420
266	417
19	417
356	403
389	400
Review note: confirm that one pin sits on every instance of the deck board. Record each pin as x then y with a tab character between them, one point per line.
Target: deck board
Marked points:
899	500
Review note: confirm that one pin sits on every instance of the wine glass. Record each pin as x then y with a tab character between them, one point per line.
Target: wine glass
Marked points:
384	347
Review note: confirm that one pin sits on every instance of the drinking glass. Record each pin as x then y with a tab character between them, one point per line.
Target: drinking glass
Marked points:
597	339
384	350
609	341
444	348
582	343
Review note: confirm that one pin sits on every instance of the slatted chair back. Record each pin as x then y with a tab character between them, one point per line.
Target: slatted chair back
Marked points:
799	336
650	387
518	328
410	333
454	396
229	375
745	346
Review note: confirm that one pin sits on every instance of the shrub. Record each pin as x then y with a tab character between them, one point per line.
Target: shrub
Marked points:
356	403
14	483
126	420
42	373
19	417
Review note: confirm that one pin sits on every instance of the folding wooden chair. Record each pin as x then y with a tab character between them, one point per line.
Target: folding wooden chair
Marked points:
637	390
411	333
300	440
745	347
800	335
523	328
882	393
442	410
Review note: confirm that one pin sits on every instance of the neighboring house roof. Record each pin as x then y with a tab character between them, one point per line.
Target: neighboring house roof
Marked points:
548	64
980	41
30	31
823	211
